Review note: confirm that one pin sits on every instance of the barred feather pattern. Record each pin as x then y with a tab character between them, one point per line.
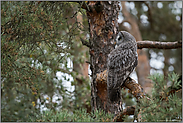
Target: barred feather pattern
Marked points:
121	63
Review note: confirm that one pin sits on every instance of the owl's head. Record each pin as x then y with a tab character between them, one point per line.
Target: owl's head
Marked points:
124	37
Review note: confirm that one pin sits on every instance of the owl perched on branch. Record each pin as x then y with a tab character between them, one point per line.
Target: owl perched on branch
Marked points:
121	63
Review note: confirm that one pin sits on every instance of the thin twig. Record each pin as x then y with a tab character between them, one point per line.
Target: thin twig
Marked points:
85	43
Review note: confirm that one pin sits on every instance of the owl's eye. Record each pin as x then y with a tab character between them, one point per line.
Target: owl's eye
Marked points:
119	38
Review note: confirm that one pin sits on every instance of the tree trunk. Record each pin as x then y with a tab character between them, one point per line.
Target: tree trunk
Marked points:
103	27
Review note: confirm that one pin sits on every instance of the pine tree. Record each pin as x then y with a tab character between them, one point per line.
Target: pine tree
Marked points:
165	104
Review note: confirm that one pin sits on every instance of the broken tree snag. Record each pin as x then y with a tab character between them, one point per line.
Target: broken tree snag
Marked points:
102	77
159	45
101	86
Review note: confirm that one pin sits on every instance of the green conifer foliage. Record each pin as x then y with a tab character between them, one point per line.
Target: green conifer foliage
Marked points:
163	105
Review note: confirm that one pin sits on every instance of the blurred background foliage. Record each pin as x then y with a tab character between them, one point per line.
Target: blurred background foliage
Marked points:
37	40
162	21
43	63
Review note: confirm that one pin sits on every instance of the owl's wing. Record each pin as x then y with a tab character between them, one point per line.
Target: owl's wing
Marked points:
121	63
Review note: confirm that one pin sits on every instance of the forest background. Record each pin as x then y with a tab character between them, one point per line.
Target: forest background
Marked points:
45	66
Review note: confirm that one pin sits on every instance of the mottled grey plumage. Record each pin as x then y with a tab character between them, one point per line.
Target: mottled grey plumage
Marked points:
121	63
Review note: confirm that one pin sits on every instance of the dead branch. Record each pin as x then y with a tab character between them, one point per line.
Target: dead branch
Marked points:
129	110
159	45
133	87
85	43
135	31
173	91
137	91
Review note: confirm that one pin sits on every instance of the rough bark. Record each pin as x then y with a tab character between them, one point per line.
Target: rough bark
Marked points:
103	27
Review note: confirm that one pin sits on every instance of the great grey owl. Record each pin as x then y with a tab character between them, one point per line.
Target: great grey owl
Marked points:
121	63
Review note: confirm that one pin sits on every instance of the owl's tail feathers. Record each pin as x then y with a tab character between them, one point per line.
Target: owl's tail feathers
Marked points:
114	94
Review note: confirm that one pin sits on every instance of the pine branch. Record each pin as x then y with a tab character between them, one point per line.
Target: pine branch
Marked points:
159	45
